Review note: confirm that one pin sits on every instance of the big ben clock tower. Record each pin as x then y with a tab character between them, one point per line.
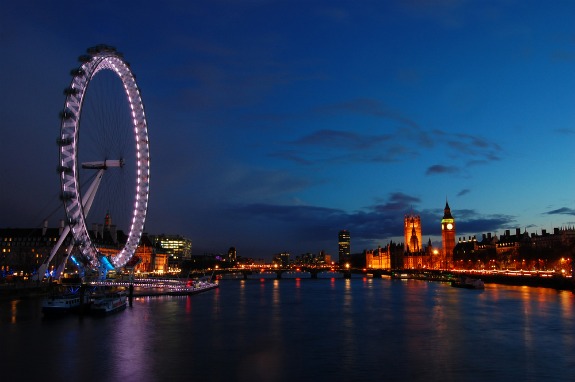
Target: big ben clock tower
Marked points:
447	236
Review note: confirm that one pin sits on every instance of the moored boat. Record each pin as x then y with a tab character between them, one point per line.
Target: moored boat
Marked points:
66	300
61	304
109	303
193	287
402	275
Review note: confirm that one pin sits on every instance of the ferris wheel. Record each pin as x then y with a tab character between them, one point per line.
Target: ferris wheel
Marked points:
78	161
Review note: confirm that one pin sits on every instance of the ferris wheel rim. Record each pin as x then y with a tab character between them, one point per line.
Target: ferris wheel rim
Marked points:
101	58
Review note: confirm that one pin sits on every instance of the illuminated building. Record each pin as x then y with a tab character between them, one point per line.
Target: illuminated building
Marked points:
344	241
23	250
412	233
447	237
282	259
389	257
177	247
378	258
232	255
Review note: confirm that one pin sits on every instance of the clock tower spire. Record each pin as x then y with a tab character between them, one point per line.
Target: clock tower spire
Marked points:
447	236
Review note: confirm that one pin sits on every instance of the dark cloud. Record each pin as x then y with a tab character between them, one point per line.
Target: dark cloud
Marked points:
440	169
350	146
375	225
561	211
401	197
317	227
467	145
464	192
487	224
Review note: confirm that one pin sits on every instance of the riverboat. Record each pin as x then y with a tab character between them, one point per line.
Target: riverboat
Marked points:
66	299
62	303
468	283
402	275
192	287
109	303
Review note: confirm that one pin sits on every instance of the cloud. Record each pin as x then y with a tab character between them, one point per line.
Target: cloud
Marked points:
467	145
317	227
486	224
398	201
440	169
561	211
464	192
405	140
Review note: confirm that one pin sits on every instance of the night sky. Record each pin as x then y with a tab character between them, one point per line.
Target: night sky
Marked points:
275	124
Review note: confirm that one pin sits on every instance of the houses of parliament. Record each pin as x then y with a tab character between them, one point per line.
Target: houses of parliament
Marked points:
519	251
413	254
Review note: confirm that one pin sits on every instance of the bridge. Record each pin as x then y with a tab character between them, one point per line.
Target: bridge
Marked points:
282	273
526	278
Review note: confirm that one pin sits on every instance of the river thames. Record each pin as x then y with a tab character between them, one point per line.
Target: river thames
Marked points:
303	330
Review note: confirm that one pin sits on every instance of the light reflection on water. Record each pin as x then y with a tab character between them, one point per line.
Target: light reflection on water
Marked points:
285	330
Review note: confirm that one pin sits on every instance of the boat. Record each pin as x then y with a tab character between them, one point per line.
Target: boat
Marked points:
66	300
60	304
402	275
109	303
468	283
193	287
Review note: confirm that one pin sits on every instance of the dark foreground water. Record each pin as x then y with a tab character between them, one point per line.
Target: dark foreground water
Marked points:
303	330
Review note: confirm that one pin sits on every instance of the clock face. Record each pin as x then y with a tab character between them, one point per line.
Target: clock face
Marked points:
449	226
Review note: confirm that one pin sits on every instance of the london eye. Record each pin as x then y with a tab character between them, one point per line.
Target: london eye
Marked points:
104	170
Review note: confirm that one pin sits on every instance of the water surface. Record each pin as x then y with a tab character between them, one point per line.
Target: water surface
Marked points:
303	330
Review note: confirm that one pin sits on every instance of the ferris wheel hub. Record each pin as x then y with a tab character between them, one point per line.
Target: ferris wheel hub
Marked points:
102	165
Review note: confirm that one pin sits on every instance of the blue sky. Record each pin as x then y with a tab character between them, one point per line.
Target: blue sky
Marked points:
274	124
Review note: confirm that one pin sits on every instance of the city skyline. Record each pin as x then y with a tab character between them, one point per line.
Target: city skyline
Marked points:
274	125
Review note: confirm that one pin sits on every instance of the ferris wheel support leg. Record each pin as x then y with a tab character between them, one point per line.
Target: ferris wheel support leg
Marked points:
44	267
87	201
62	265
88	198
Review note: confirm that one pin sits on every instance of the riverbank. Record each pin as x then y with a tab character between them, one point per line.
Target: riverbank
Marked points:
24	291
554	282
